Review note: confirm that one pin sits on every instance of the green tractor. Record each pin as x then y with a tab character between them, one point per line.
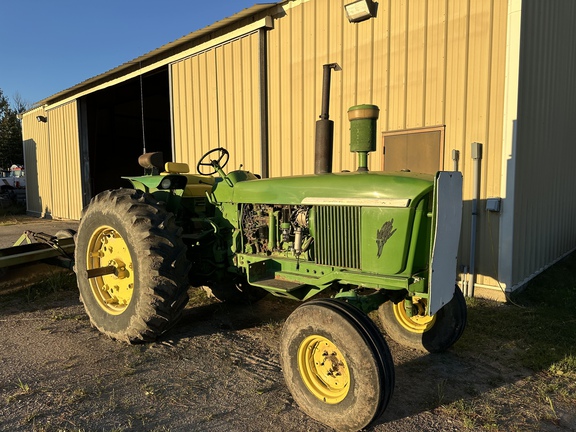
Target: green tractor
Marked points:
374	241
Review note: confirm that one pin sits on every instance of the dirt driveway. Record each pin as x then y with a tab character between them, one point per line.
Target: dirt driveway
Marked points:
13	227
218	370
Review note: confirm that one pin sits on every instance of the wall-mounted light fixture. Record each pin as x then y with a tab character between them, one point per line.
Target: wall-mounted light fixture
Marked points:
360	10
42	119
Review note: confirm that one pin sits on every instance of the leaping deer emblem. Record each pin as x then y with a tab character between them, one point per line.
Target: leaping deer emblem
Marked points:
384	234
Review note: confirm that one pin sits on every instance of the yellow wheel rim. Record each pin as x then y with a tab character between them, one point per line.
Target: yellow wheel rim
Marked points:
419	322
107	249
323	369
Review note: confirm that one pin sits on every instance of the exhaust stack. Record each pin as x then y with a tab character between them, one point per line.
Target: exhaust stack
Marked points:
325	127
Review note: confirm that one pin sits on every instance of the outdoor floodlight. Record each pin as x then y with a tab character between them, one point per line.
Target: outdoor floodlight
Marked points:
360	10
42	119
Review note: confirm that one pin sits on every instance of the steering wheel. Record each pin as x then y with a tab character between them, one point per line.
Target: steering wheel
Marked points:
222	154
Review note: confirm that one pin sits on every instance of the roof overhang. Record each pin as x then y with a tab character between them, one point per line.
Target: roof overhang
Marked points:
144	62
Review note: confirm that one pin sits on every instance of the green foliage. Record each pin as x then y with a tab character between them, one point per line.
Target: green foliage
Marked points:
11	151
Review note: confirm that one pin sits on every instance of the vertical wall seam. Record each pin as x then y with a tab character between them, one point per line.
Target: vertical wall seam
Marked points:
264	121
445	80
425	68
406	56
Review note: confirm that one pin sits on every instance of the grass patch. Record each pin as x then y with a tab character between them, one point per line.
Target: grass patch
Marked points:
199	297
54	283
534	336
12	209
538	330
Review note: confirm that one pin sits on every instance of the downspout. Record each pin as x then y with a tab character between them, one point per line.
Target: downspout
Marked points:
263	70
476	157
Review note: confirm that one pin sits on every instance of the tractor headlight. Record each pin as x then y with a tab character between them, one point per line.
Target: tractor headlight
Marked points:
166	184
171	182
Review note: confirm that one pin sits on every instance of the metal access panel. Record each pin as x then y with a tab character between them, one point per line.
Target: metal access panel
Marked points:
415	151
448	206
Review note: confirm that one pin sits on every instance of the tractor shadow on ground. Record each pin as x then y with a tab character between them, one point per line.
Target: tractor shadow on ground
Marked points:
215	317
480	363
424	382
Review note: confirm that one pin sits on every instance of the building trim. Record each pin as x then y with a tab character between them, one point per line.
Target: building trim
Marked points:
506	237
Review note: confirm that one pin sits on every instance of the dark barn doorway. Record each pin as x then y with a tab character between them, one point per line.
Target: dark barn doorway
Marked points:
112	136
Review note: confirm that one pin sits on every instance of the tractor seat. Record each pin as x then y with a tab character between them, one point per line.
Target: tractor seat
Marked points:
196	185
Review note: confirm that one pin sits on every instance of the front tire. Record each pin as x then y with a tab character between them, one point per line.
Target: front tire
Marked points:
131	266
434	333
336	364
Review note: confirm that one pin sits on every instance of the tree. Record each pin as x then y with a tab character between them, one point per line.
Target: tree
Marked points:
19	104
11	151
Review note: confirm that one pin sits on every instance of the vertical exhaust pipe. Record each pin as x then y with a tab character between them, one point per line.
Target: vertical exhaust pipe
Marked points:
325	127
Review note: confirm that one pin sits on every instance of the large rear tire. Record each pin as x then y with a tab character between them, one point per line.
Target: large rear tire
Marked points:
434	333
131	265
336	364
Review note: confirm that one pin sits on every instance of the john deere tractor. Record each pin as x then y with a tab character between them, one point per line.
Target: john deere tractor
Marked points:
375	241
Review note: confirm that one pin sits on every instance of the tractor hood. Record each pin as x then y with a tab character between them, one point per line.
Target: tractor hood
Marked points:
373	189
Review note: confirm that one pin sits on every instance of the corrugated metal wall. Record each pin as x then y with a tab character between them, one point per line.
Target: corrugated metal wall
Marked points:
215	103
423	62
37	163
52	161
65	161
545	208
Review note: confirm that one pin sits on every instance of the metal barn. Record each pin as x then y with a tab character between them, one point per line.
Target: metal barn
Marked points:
485	87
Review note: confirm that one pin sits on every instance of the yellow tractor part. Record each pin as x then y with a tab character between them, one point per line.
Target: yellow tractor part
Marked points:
419	322
110	270
323	369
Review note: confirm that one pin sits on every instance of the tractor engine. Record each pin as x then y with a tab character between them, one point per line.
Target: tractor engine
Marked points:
277	230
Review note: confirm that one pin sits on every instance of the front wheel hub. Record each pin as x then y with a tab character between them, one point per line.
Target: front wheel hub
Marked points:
323	369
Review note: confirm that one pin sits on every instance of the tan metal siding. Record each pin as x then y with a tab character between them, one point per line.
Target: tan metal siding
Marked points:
423	62
215	102
37	163
544	208
65	161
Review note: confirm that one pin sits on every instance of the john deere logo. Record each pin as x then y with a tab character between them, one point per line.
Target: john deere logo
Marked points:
384	234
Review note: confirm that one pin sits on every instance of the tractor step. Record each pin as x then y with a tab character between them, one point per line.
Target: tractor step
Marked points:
267	275
278	285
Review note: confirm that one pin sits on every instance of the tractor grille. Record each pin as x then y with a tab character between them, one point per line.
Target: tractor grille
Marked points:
338	236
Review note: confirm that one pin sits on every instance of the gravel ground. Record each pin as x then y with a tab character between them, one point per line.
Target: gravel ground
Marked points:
218	370
12	227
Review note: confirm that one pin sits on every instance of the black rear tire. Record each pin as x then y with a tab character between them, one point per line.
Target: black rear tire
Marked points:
132	234
336	364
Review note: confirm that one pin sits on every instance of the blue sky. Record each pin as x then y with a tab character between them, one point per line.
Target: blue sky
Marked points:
49	46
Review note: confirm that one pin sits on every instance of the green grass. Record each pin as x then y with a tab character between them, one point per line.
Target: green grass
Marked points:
534	335
536	331
12	209
54	283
